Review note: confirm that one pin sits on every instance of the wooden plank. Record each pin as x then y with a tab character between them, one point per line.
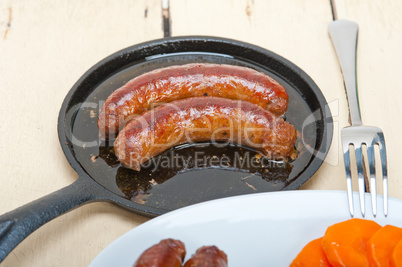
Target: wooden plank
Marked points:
296	30
45	47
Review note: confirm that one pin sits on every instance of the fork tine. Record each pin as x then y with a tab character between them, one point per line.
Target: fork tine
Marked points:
346	158
373	186
383	156
360	176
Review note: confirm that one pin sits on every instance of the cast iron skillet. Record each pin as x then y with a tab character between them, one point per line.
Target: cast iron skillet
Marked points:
160	188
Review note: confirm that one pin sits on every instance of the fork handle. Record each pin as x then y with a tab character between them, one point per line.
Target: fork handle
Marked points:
344	38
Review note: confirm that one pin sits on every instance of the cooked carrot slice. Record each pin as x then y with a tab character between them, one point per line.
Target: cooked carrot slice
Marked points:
396	258
344	243
381	245
311	255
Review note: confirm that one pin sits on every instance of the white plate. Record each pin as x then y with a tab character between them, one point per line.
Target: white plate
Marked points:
267	229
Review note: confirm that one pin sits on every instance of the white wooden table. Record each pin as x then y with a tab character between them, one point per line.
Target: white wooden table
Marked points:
45	46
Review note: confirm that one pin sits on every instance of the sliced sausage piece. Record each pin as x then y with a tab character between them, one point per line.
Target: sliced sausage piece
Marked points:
167	253
191	80
208	256
201	119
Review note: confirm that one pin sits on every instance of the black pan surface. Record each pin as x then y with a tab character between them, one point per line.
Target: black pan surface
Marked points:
189	174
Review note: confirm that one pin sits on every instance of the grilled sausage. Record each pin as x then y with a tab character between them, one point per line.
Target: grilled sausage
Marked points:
167	253
191	80
208	256
201	119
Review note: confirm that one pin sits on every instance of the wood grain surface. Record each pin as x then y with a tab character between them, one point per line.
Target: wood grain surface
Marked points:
45	46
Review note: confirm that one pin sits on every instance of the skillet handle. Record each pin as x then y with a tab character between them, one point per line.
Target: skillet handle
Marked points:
17	224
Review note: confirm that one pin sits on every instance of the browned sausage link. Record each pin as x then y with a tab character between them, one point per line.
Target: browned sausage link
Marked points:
167	253
191	80
208	256
201	119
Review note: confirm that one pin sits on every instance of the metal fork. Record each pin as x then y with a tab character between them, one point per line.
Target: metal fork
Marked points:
344	37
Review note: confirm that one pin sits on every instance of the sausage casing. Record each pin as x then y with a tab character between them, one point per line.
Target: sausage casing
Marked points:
201	119
167	253
191	80
208	256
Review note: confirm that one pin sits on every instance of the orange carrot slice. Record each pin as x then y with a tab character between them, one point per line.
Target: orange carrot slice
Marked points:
381	245
396	257
344	243
311	255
